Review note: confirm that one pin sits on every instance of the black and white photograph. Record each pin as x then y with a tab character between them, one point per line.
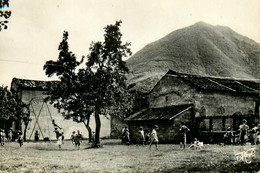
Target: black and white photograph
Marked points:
129	86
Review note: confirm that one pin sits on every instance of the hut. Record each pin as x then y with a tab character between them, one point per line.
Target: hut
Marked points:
168	119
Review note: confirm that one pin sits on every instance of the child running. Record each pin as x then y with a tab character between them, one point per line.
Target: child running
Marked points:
154	137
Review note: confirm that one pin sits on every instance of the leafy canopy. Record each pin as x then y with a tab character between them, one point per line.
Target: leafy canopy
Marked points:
99	85
11	107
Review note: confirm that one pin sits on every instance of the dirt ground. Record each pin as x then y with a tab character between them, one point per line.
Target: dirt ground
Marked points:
115	157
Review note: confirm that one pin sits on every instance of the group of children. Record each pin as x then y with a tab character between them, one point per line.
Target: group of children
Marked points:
76	139
244	134
152	137
149	138
11	136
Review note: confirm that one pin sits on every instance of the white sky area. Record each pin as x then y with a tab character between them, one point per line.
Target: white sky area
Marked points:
35	28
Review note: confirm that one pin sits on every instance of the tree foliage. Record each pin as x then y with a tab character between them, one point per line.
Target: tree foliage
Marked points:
6	14
11	107
99	86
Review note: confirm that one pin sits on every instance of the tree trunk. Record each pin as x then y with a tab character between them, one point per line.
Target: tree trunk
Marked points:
98	127
89	130
25	130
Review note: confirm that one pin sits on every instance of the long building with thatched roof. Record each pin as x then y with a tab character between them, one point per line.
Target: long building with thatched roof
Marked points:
216	103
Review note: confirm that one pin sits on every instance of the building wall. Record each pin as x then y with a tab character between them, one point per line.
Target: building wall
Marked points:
216	103
117	125
171	91
174	91
38	108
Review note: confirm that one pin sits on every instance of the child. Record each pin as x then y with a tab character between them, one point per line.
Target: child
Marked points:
78	139
196	144
73	137
36	136
253	134
141	136
228	136
59	141
147	138
2	137
243	128
10	135
126	136
183	130
20	138
93	137
154	137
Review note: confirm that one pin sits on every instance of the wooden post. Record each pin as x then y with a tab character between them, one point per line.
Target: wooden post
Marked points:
210	124
223	123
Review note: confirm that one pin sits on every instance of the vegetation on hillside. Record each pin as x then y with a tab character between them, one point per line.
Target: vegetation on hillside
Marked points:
200	49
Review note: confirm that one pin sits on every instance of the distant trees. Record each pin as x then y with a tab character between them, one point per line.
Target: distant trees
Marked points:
12	108
98	87
4	14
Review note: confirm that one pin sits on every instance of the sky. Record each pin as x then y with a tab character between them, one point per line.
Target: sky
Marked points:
35	28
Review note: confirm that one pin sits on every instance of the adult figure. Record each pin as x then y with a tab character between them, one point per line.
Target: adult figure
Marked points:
183	131
154	137
243	128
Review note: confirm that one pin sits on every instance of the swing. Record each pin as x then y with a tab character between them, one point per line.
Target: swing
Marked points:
33	103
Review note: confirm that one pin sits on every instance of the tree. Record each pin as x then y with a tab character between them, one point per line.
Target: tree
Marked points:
109	90
68	95
12	108
5	14
98	87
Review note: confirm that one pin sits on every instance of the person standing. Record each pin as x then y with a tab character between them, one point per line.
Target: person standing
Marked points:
2	137
59	141
73	136
20	138
141	136
228	136
154	137
77	140
36	136
10	135
126	135
183	130
243	128
253	132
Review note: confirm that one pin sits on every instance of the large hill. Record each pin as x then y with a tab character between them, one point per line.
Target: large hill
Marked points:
200	49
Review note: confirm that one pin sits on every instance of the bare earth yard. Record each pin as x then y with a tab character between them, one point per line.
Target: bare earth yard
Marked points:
115	157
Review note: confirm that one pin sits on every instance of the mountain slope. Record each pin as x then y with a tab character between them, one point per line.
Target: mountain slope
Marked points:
200	49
